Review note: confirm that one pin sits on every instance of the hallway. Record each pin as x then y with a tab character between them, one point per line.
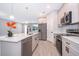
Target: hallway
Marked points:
46	48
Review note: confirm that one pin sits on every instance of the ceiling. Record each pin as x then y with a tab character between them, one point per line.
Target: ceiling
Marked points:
29	11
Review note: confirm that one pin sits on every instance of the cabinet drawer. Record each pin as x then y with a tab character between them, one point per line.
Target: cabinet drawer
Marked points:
66	41
74	45
69	48
73	52
70	43
64	52
69	51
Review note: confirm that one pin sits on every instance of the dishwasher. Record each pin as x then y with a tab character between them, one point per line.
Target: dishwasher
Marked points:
26	45
58	43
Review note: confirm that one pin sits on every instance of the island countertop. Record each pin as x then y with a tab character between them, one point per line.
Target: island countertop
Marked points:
16	37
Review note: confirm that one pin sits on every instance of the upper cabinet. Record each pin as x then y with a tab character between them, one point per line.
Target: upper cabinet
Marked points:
74	7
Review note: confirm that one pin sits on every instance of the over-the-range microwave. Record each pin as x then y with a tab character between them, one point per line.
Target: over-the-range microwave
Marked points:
67	18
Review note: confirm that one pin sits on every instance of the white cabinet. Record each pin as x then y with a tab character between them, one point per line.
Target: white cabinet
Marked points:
10	48
65	47
69	48
75	13
34	42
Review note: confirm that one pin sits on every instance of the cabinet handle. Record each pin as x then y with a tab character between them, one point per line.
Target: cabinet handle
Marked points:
67	49
68	43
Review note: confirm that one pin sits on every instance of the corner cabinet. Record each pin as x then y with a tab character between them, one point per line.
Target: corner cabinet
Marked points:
69	48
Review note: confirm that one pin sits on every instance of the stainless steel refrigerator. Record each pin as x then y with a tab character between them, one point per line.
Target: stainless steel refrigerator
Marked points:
42	31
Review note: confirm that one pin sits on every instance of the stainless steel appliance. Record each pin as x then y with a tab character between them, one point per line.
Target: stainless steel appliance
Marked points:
58	43
67	18
42	31
27	46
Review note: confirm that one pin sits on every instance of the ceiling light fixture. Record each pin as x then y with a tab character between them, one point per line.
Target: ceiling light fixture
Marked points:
11	16
48	6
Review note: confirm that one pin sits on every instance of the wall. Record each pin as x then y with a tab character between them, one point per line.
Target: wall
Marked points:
4	29
42	20
52	26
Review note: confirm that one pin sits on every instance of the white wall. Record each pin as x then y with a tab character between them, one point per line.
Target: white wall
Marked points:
42	20
52	25
4	29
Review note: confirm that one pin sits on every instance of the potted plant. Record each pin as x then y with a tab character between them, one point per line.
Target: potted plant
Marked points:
10	25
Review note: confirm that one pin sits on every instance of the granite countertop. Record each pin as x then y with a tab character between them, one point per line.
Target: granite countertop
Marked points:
74	39
66	34
16	37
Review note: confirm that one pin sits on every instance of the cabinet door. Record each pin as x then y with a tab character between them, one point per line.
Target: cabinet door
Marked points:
65	47
75	13
10	48
34	42
73	52
69	48
65	50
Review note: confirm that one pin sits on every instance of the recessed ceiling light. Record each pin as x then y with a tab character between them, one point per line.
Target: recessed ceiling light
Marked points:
26	8
48	6
43	12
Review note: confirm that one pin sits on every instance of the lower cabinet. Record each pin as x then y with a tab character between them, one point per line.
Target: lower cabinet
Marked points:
10	48
25	47
69	48
34	42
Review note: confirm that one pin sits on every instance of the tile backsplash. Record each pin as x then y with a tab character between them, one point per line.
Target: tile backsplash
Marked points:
63	29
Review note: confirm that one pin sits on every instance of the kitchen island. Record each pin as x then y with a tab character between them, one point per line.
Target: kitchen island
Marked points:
18	45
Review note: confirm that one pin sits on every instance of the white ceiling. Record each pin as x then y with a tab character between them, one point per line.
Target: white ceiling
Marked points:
29	11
